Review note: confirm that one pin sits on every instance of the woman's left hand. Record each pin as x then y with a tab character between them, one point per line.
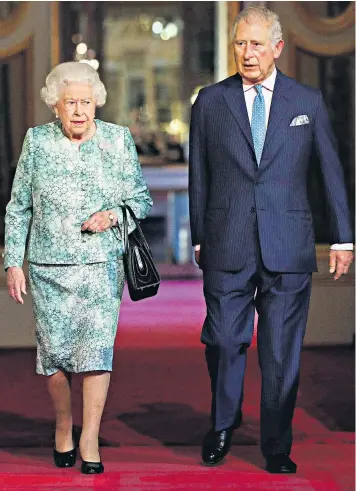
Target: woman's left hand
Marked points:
99	222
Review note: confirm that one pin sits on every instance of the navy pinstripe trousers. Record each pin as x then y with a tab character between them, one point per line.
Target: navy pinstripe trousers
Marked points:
282	303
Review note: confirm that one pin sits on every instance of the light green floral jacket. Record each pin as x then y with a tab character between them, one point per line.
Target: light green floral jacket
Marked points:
59	185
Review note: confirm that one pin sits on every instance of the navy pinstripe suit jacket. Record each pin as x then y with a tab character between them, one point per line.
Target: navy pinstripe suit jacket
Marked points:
228	191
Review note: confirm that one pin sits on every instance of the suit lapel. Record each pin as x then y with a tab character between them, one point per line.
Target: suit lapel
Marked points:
279	109
281	94
235	99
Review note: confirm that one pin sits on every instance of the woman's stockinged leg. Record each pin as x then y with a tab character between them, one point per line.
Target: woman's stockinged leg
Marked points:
95	389
60	392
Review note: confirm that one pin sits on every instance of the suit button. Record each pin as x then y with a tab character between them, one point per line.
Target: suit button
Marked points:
257	183
253	209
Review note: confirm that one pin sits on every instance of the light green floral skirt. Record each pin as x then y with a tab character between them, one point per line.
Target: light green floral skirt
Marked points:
76	309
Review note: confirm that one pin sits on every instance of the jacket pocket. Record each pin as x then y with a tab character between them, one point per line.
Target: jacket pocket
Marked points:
215	220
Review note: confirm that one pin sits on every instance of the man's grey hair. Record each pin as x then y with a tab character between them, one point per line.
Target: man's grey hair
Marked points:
260	13
72	72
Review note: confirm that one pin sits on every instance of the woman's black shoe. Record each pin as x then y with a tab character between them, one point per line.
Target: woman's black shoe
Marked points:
65	459
92	467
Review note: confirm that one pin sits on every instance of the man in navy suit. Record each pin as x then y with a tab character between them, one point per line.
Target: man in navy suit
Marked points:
250	145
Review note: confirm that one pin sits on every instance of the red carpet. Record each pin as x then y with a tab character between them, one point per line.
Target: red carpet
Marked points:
143	468
157	413
173	318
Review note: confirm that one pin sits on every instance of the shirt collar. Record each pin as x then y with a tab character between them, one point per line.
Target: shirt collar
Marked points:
267	84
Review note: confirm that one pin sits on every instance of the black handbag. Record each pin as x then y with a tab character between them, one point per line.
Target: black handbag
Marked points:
142	276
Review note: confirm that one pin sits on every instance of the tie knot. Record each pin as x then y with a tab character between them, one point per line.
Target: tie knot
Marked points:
259	89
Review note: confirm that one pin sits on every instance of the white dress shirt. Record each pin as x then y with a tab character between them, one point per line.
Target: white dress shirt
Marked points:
267	91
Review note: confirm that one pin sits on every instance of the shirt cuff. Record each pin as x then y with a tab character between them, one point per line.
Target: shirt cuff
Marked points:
197	248
347	246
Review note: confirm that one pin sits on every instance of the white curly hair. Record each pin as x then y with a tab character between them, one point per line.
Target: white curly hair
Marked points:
72	72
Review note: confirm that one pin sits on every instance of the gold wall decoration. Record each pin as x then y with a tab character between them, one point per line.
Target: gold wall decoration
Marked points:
15	18
233	8
325	25
317	48
14	49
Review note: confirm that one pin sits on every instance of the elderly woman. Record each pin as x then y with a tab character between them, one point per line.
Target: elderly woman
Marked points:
71	178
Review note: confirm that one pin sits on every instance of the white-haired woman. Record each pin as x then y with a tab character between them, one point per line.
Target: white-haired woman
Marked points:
71	178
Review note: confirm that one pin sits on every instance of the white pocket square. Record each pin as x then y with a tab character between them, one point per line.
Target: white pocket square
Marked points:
299	120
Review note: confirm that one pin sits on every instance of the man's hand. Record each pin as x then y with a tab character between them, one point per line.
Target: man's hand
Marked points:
340	262
99	222
197	256
16	283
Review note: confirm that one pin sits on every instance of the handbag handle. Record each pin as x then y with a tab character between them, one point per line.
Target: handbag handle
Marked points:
126	227
126	234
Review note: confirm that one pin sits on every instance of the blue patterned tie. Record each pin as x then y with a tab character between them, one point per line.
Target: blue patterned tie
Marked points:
258	123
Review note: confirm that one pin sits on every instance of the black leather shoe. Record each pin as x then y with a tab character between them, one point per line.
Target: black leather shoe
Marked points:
65	459
216	445
281	464
92	467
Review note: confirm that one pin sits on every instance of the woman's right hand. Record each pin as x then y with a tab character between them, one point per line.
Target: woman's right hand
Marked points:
16	283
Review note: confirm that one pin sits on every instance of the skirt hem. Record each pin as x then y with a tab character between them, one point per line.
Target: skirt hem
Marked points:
48	373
